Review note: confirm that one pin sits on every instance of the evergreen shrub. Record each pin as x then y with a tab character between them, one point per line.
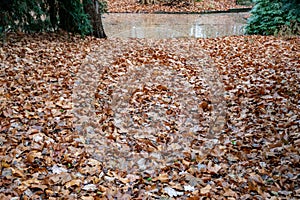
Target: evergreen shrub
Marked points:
271	17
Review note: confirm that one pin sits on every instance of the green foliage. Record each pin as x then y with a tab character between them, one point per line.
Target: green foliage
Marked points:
46	15
73	18
270	17
25	15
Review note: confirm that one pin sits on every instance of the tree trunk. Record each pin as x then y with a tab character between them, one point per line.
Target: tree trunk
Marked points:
93	10
66	21
53	8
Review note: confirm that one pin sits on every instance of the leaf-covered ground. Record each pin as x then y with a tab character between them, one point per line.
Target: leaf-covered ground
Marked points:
132	6
255	155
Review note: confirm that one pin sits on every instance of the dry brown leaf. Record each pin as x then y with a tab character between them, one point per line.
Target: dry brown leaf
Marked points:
75	182
162	178
230	193
213	168
205	190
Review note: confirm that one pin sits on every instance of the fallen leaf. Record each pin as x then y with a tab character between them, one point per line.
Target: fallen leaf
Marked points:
162	178
205	190
171	192
90	187
75	182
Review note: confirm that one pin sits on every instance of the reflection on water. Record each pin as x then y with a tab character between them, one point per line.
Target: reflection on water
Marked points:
173	25
149	32
210	31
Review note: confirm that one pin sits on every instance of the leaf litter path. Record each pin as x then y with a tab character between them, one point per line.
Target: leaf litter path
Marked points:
44	156
132	6
155	99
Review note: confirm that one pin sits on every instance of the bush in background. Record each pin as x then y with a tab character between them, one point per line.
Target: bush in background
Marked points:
273	17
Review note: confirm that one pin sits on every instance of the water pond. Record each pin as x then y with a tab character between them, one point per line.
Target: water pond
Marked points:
128	25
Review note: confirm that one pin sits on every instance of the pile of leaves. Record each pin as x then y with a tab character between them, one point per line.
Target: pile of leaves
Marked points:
133	6
43	154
